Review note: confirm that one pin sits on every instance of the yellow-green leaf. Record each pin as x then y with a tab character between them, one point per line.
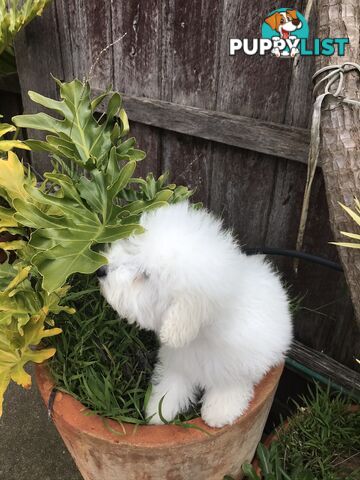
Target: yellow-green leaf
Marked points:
348	245
4	382
357	204
23	273
21	377
6	128
14	245
125	123
351	213
39	356
12	177
355	236
7	218
6	145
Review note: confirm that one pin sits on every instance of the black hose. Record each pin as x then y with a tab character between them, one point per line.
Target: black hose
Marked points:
293	254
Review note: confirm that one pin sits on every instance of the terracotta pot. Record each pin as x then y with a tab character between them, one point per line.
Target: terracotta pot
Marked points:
165	452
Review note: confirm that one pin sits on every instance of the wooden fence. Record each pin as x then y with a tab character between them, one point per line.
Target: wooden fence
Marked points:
234	127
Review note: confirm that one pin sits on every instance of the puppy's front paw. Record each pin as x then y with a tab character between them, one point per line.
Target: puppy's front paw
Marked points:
175	393
224	407
218	418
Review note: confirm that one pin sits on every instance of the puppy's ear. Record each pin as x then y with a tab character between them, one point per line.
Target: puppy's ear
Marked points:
292	13
274	20
182	321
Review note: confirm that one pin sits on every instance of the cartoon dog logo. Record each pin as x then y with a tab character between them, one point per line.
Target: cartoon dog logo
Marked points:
284	22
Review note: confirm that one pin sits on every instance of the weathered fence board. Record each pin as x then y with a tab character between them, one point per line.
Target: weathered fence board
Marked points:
288	190
36	62
242	90
340	140
190	70
137	67
177	51
249	133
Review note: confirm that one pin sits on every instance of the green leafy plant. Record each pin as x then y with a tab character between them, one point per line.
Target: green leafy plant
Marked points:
93	167
14	15
355	215
59	226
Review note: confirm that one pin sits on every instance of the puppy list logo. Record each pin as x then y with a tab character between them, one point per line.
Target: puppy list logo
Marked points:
285	33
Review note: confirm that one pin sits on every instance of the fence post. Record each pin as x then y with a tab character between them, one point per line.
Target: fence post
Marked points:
340	132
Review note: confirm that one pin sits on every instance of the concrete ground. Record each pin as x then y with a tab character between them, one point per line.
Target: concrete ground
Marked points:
30	447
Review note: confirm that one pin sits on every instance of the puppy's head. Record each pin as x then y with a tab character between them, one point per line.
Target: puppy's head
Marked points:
127	285
284	21
167	279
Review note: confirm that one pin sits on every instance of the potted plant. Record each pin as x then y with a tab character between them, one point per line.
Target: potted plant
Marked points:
320	441
61	225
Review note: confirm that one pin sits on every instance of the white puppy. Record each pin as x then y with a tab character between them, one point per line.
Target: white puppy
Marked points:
222	317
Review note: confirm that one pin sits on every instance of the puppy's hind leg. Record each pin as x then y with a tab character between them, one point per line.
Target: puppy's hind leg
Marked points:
177	393
222	405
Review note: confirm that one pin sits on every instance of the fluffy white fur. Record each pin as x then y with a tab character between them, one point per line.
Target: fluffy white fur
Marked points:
222	317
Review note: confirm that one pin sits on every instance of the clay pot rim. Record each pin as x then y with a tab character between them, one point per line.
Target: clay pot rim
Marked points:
71	412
